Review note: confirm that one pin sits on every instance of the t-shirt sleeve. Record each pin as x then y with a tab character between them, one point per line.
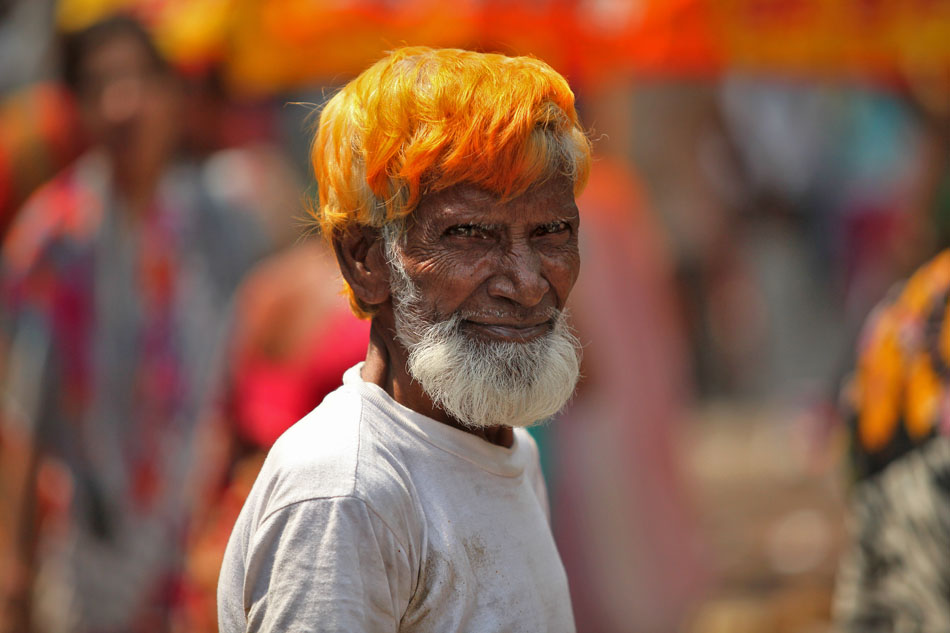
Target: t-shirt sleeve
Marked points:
326	565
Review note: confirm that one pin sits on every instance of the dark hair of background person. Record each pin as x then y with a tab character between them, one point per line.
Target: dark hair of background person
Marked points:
76	45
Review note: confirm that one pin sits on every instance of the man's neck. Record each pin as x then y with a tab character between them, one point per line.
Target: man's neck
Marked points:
386	367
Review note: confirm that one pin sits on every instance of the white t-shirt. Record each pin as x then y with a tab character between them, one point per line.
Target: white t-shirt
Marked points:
368	516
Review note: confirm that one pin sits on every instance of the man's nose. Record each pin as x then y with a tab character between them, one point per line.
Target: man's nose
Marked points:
520	278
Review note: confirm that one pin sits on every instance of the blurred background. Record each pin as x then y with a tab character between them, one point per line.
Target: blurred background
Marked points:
765	170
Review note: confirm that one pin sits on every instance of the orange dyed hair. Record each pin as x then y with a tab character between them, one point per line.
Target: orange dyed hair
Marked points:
424	119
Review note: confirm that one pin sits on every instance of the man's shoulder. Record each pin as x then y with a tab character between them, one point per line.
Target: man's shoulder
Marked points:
336	451
320	451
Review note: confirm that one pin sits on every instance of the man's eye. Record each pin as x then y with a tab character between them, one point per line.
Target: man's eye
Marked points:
466	230
553	227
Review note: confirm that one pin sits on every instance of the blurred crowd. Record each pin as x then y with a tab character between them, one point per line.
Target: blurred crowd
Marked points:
166	312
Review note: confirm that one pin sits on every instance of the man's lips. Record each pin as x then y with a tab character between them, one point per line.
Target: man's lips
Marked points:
508	331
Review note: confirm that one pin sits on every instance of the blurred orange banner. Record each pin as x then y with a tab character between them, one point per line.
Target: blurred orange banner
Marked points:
274	45
858	38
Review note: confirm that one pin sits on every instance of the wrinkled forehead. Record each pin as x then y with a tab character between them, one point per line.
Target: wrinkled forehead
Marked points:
552	196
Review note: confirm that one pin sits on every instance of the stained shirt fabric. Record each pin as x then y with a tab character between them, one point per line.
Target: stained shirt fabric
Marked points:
115	329
368	516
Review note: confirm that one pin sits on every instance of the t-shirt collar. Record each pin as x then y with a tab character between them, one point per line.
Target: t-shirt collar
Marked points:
506	462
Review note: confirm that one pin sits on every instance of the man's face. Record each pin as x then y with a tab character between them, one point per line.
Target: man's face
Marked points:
503	265
478	290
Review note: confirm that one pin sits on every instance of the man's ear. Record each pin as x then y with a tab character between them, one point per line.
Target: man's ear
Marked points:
362	259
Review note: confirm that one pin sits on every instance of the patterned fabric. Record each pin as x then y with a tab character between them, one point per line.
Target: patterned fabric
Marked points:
895	578
129	315
896	575
898	397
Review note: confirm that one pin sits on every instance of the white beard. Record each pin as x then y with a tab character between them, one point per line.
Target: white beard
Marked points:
484	383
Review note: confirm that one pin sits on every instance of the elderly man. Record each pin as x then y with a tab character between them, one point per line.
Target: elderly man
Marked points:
411	499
